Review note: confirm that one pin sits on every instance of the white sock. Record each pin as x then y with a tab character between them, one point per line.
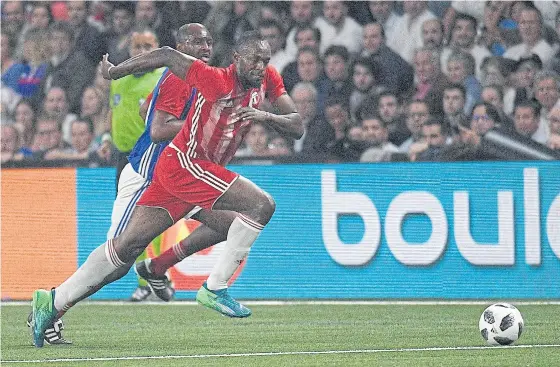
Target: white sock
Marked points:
92	275
241	235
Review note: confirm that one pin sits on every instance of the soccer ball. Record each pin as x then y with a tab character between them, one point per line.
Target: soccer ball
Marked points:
501	324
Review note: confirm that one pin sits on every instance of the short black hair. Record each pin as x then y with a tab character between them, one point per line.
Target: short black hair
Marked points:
529	104
498	89
468	18
457	86
336	100
491	111
88	121
316	32
337	50
271	23
370	64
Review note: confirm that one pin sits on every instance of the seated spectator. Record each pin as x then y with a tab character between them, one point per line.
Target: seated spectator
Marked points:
526	121
408	36
454	105
13	23
308	38
272	31
463	38
317	131
147	15
432	34
493	95
40	15
95	108
310	69
554	125
525	71
338	117
279	146
66	59
9	96
303	15
417	113
25	122
496	71
546	87
83	146
10	144
27	78
118	37
6	53
395	73
375	136
430	81
364	78
256	142
337	83
530	29
460	66
48	136
434	139
383	12
55	106
388	109
337	28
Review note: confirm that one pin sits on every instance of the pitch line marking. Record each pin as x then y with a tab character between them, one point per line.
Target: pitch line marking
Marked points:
271	354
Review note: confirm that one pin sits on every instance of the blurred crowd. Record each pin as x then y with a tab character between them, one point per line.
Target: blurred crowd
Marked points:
373	80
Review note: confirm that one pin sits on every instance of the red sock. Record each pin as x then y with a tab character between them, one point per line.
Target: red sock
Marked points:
160	264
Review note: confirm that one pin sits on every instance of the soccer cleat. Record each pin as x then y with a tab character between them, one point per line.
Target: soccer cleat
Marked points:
53	333
159	284
222	302
43	315
141	294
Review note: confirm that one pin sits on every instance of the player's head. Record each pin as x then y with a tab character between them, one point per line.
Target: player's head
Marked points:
251	56
142	42
194	40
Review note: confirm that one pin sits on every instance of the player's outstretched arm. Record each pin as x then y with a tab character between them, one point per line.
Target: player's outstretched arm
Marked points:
177	62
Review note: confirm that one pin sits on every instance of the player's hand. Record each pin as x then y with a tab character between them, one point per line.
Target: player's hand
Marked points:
251	114
105	67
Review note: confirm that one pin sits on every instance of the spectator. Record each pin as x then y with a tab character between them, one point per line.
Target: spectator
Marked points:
83	146
306	37
95	108
337	28
87	38
525	71
416	115
40	17
6	53
226	22
530	28
25	122
496	71
303	15
430	81
364	77
526	121
13	23
317	130
432	34
256	142
341	148
554	125
388	109
337	83
118	38
147	15
376	135
408	36
279	146
494	95
430	147
178	13
454	105
395	73
55	106
460	66
309	69
66	60
27	78
272	31
10	144
383	12
463	38
9	96
547	92
48	136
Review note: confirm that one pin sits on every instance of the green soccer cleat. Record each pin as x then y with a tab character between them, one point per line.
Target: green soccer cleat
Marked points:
222	302
43	315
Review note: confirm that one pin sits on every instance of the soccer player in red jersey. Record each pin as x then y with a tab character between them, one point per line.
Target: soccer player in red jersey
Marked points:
190	172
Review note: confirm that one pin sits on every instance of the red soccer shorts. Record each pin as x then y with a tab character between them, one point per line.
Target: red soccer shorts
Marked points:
180	183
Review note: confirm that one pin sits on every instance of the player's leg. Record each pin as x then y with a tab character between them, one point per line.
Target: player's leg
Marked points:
131	186
214	228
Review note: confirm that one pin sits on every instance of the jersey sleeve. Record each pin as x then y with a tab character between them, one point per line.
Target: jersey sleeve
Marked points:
211	82
173	95
274	84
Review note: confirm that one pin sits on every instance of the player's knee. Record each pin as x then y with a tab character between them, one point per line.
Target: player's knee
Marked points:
267	207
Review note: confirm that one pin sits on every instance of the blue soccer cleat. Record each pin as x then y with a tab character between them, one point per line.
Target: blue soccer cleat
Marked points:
44	314
222	302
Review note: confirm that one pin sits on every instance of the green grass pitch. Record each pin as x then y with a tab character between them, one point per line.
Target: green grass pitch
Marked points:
190	335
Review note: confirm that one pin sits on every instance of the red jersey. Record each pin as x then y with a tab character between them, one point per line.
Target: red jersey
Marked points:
173	96
208	133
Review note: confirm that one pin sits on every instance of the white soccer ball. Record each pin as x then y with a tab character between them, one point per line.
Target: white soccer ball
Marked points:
501	324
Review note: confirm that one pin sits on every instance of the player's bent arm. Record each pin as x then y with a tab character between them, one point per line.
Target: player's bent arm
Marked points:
289	121
164	126
177	62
